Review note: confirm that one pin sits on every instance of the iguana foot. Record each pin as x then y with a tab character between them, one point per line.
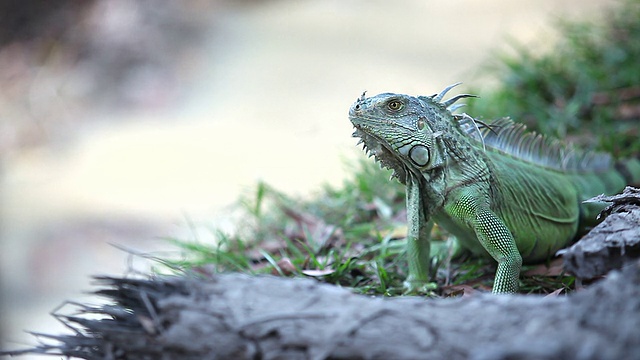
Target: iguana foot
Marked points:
419	283
418	286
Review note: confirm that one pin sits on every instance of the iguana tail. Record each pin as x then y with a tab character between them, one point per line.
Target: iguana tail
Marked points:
623	172
629	169
608	181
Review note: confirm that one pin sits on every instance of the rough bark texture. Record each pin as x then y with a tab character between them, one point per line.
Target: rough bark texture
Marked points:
611	244
234	316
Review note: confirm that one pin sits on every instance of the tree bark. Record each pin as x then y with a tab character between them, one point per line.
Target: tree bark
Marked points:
234	316
613	243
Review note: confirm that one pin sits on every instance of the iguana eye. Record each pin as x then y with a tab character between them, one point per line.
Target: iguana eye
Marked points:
395	105
420	124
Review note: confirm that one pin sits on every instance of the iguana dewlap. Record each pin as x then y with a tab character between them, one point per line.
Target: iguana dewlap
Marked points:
501	190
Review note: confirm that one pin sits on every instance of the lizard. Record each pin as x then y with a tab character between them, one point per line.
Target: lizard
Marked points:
498	188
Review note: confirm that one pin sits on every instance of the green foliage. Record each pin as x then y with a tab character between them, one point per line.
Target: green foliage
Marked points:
587	85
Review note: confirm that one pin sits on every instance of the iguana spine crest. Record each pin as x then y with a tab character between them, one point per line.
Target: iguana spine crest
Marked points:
517	141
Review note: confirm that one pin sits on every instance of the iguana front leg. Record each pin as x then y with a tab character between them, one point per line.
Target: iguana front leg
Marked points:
418	235
473	209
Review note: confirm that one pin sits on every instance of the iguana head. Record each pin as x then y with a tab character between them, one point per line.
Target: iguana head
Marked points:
403	131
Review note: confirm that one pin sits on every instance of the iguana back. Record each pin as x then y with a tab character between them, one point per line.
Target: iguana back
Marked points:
498	188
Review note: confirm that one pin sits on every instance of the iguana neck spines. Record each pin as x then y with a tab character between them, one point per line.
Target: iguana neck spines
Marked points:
498	188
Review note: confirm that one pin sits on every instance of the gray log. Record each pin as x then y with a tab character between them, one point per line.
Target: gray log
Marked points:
611	244
235	316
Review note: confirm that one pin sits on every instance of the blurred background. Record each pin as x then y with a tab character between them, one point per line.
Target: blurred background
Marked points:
126	122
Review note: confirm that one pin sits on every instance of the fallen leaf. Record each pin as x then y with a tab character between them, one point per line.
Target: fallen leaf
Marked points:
286	266
555	268
555	293
397	232
317	273
457	290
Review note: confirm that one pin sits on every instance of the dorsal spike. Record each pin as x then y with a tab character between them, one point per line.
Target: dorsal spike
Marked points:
456	98
472	127
439	97
514	139
455	107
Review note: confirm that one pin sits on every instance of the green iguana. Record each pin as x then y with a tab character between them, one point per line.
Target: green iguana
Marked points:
498	188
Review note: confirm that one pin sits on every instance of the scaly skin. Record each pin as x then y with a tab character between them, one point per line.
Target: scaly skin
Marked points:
499	197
